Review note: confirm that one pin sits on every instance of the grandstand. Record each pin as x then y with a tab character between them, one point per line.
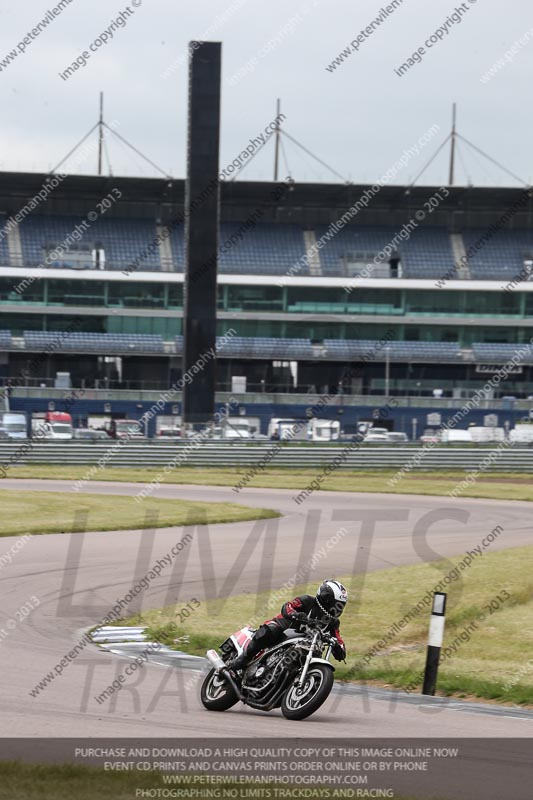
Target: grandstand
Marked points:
427	254
120	239
280	235
268	249
310	310
504	257
79	342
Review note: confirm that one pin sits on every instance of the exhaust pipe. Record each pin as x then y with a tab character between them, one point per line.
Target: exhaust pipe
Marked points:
216	662
214	659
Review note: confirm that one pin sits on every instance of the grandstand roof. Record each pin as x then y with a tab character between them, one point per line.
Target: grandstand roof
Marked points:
305	203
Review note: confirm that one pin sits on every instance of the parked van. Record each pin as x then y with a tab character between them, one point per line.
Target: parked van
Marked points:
323	430
288	429
377	435
15	424
397	437
522	433
236	428
485	434
169	434
451	436
124	428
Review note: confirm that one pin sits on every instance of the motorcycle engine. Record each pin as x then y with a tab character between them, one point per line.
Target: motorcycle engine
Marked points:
275	657
255	671
261	673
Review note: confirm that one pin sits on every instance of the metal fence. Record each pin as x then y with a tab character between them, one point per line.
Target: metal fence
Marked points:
221	454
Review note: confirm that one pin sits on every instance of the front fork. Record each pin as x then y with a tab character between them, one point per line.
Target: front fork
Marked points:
303	674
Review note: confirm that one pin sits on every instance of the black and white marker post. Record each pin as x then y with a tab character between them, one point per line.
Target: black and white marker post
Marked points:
436	635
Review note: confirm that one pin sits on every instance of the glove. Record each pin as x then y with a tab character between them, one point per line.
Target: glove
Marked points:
299	616
338	651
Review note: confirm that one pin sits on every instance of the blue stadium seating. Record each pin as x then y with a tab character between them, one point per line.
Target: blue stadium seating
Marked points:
267	347
501	353
502	256
255	347
122	240
94	342
4	252
333	349
177	243
264	249
426	254
274	249
398	351
5	339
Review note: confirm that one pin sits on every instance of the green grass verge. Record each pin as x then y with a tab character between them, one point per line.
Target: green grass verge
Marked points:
55	512
493	659
496	486
20	781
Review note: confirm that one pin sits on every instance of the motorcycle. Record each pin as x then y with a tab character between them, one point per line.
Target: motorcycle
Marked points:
294	675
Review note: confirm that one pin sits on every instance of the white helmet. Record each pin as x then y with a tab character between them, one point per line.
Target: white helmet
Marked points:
332	597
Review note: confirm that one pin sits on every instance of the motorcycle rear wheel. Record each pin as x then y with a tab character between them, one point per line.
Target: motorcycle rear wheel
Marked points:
301	704
216	694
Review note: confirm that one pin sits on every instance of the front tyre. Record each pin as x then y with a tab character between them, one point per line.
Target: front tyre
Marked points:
216	694
299	704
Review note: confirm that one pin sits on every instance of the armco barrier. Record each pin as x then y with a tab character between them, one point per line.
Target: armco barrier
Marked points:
221	454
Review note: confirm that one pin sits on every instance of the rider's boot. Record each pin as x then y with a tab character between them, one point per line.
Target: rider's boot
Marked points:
264	636
238	663
255	646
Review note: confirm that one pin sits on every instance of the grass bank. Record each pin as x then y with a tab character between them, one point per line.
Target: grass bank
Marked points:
488	626
494	485
20	781
55	512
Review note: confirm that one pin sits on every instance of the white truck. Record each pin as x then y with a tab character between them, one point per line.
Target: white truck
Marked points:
485	434
323	430
240	428
522	433
456	436
14	423
287	429
377	435
56	425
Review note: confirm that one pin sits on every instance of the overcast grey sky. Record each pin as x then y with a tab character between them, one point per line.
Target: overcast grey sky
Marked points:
359	118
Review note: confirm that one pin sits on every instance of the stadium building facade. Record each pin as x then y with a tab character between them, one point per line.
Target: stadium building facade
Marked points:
420	293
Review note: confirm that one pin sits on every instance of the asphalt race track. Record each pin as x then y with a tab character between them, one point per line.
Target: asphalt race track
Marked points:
77	578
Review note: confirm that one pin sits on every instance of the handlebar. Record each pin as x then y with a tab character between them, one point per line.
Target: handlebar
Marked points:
310	623
316	624
319	622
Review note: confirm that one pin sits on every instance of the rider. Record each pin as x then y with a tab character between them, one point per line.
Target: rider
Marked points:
327	605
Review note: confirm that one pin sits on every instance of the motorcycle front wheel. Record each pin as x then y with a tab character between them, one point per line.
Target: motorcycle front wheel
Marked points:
299	704
216	694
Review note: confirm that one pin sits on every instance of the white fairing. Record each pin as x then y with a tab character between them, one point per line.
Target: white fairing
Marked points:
322	661
241	639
